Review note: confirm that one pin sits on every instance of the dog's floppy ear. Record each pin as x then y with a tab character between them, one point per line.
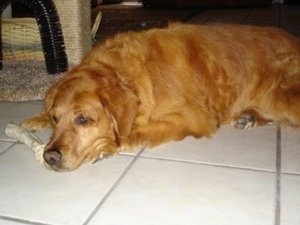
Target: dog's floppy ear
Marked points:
113	124
118	98
122	105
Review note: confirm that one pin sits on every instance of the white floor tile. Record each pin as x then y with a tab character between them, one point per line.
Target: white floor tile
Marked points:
5	222
15	113
4	146
290	145
164	192
290	200
30	192
253	148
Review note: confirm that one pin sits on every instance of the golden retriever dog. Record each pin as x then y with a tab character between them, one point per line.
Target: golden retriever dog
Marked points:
150	87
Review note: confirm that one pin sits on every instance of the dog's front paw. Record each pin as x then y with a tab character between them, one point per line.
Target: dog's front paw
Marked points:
38	122
244	121
104	152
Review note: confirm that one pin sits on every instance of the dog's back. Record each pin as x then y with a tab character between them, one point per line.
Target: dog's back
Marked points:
224	68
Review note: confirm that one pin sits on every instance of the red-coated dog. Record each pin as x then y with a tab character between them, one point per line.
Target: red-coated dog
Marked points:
150	87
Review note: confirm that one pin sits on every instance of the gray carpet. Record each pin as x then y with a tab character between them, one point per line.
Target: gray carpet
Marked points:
24	81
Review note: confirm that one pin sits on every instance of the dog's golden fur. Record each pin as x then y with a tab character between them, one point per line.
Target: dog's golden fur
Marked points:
154	86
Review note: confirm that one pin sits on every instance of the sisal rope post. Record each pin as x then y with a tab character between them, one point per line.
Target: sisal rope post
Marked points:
22	40
75	19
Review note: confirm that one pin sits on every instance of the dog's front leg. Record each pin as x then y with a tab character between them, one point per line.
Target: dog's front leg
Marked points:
173	127
38	122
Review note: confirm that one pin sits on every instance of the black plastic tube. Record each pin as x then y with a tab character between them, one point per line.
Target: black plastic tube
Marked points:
1	55
3	5
51	34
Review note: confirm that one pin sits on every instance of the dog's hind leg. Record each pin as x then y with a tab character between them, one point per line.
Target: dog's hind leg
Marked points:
276	100
282	104
175	126
286	98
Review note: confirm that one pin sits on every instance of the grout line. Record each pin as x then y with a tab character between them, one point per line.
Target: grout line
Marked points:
278	177
208	164
280	16
21	221
114	186
290	173
8	140
190	17
7	148
247	16
216	14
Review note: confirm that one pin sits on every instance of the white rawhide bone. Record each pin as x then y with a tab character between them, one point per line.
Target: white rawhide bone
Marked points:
28	138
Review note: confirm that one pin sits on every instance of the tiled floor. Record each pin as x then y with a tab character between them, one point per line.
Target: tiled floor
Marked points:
235	178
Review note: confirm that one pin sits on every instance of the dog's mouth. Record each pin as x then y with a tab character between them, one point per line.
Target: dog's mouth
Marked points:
56	160
64	159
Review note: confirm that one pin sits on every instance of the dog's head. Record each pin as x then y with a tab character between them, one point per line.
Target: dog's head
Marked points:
84	108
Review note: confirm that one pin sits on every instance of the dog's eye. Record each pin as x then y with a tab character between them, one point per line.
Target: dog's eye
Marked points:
82	120
54	119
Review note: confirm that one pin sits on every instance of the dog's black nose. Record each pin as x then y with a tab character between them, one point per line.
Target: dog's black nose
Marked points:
52	156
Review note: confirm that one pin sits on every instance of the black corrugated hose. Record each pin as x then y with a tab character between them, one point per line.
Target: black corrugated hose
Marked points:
3	5
1	55
50	32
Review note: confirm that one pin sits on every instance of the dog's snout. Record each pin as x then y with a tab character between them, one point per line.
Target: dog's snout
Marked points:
52	156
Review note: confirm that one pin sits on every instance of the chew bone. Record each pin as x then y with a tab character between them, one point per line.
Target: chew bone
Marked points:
28	138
